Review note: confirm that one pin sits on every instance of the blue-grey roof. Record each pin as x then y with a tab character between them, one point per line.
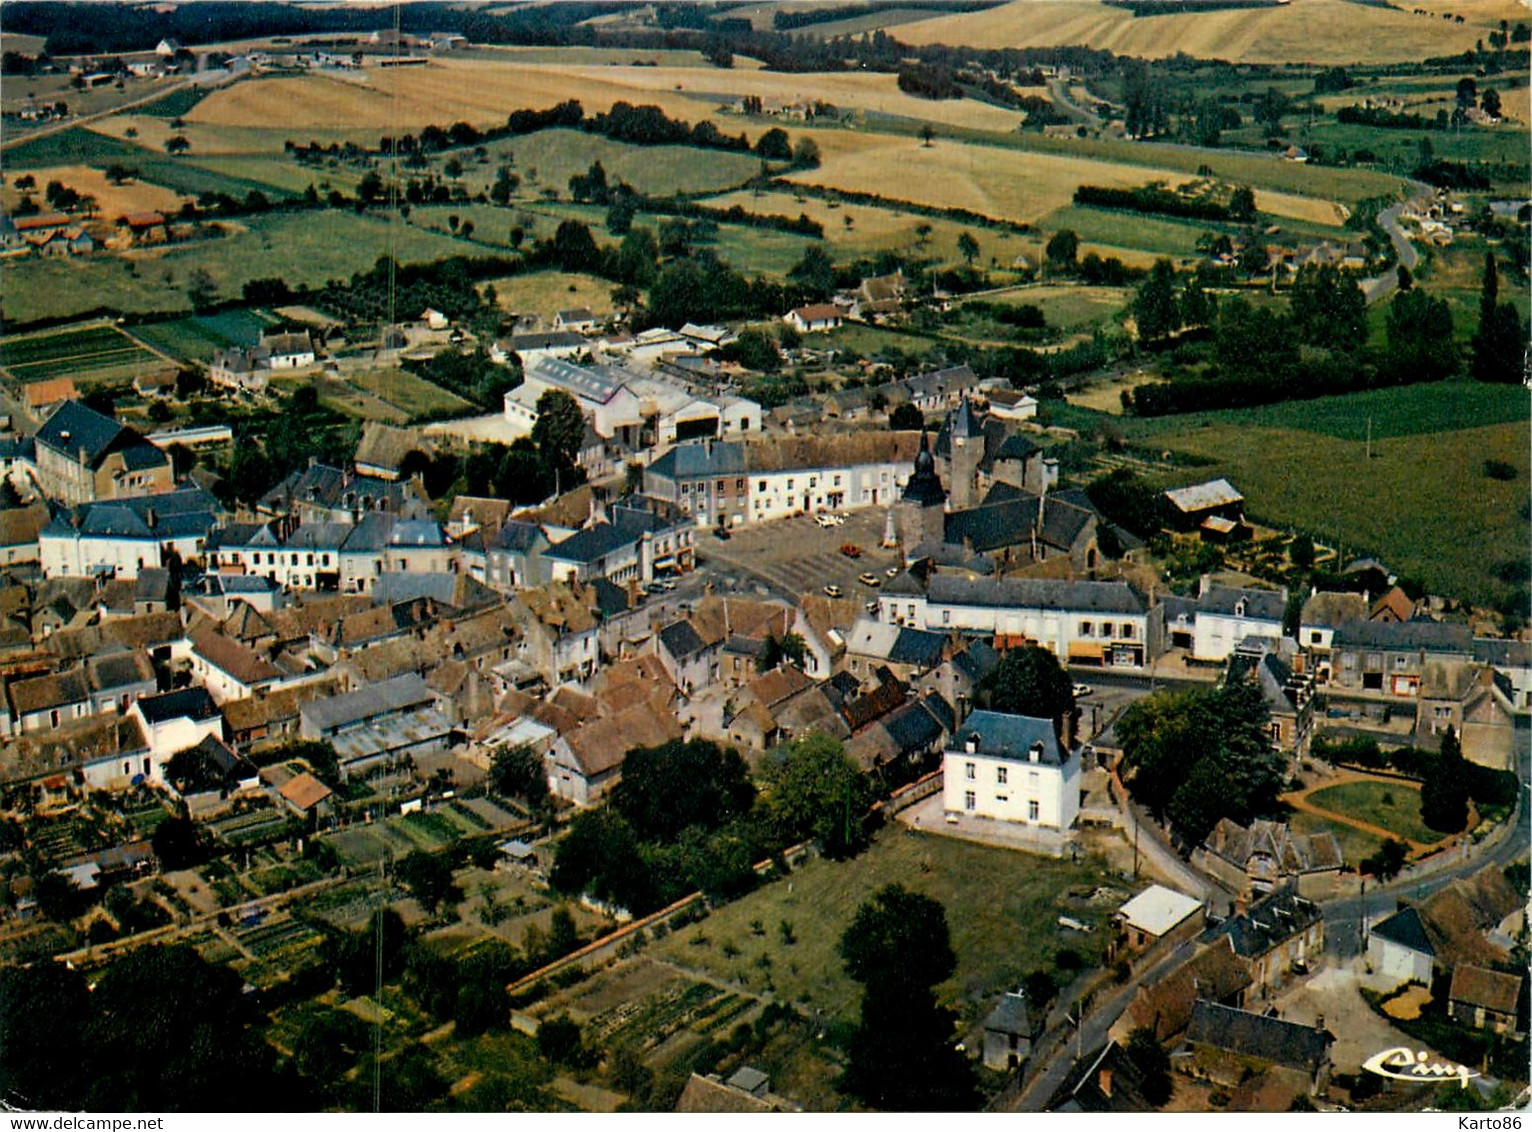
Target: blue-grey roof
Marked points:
918	647
73	427
417	532
1010	737
518	537
371	534
681	640
977	661
18	448
1036	593
188	703
1257	1036
953	378
1405	928
1502	654
590	383
702	458
187	512
1406	636
1016	447
913	727
316	536
1259	605
1269	921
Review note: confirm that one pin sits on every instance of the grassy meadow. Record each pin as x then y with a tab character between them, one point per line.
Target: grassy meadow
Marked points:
1394	806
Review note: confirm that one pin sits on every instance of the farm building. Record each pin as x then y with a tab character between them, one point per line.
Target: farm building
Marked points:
1189	508
814	318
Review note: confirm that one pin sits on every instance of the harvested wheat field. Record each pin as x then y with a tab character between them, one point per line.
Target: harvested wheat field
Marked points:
1309	31
484	91
1006	184
111	200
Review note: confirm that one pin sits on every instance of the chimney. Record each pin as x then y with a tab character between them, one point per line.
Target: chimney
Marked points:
1104	1080
1035	752
1241	905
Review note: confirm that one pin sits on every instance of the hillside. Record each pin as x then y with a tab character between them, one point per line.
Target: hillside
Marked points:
1312	31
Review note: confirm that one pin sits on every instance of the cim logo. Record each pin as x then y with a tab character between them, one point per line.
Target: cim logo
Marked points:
1401	1064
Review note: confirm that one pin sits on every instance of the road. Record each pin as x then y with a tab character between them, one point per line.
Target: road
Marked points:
1060	94
1381	286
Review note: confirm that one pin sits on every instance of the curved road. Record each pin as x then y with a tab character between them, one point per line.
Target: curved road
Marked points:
1381	286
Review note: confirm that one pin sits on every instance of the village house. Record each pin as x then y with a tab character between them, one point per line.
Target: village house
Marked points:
1322	615
1267	855
83	456
42	397
1388	658
1008	1033
1465	698
586	762
558	632
1485	999
1105	623
171	722
1190	509
639	539
207	776
1227	1046
814	318
1279	936
379	725
1268	664
1164	1008
120	537
1226	616
1011	768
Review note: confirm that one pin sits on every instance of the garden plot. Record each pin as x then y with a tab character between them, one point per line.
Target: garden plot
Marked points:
250	828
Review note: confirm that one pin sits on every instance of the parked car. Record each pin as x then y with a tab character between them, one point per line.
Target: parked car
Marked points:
825	520
893	571
832	590
1082	690
872	608
851	550
870	579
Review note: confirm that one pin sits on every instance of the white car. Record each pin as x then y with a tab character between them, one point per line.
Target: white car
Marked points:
1082	690
893	571
825	521
832	590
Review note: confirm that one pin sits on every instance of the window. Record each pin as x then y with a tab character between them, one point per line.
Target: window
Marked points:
1002	797
1086	629
763	485
1315	637
1400	663
311	560
836	482
946	617
1441	712
909	611
970	800
1032	810
789	485
1127	631
1000	773
739	485
1033	778
719	487
970	770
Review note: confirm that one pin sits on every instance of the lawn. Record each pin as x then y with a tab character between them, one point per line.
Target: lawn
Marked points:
1002	908
1355	845
94	353
1071	307
1394	806
547	292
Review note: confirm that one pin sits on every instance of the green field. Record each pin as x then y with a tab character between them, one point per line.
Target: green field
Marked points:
1166	236
305	249
75	146
176	104
1394	806
201	336
411	395
94	352
1002	908
1070	308
1421	502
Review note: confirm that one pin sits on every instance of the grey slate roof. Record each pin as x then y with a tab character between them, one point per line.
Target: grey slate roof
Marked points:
394	695
1010	737
1257	1036
1036	593
1260	605
73	427
518	537
1406	929
185	512
702	458
1406	636
917	647
681	640
1502	654
188	703
1010	1016
1268	922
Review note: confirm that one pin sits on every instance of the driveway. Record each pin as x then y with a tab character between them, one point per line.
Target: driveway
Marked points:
1332	995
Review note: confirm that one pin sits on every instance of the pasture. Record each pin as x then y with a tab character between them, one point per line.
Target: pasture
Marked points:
413	396
1002	908
90	354
546	293
1311	31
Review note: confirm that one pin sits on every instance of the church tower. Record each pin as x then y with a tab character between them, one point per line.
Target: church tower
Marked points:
965	439
921	507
